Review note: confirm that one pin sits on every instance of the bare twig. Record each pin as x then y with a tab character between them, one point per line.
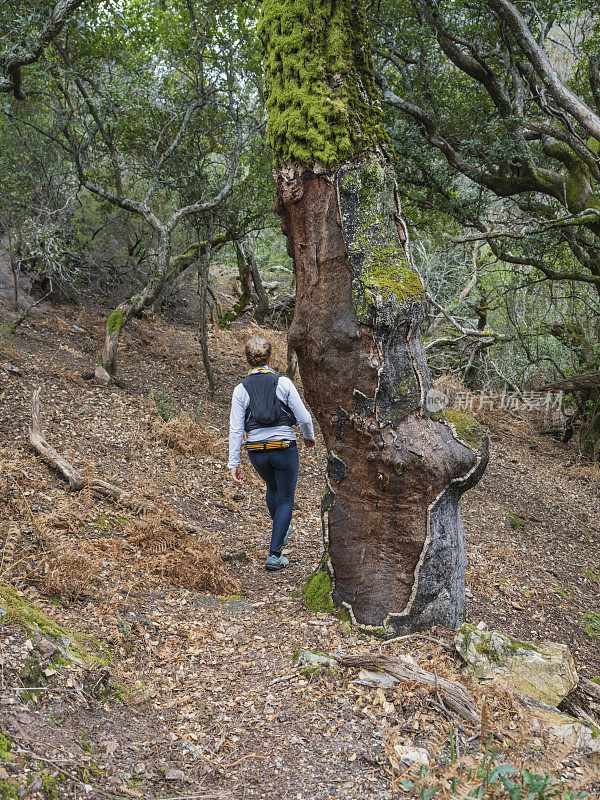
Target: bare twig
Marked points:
65	772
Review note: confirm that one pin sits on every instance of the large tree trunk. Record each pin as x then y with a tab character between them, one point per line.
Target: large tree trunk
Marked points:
394	543
395	549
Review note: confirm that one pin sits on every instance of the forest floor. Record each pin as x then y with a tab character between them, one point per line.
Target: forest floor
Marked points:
208	703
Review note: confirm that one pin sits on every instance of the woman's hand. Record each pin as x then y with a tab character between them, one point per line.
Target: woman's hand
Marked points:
309	442
236	474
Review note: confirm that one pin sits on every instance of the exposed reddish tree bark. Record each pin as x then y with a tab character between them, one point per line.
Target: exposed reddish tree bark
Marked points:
394	540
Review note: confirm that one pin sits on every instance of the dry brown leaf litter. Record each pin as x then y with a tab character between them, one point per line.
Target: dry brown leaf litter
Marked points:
208	666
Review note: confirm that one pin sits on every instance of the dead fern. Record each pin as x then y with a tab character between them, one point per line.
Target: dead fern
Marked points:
70	574
181	557
185	435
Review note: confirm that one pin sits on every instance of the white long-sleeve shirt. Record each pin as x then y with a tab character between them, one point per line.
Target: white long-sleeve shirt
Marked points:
288	394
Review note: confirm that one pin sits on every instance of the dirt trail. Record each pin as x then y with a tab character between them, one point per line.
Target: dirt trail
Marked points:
214	707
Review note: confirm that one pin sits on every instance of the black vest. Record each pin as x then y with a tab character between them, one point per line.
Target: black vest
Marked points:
265	409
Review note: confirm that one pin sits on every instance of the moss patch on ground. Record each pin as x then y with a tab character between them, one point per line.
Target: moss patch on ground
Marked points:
317	590
5	747
9	790
73	644
317	594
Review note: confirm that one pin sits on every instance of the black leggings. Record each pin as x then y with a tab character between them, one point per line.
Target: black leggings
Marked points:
279	470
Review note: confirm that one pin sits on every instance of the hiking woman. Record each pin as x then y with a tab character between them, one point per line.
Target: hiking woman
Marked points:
265	405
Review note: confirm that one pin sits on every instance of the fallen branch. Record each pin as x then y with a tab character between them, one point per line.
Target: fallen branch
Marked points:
78	482
23	316
590	688
48	453
456	697
587	381
283	678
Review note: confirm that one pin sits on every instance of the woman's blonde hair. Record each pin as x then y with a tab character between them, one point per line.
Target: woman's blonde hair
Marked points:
258	351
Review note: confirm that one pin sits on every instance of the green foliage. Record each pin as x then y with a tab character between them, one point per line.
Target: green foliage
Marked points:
164	404
321	96
480	778
588	574
517	523
475	151
590	623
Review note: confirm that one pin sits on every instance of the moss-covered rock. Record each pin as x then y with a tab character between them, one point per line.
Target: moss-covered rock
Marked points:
544	671
9	789
561	732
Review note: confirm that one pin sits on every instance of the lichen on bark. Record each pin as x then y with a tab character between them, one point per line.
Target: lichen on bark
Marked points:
467	428
383	275
322	100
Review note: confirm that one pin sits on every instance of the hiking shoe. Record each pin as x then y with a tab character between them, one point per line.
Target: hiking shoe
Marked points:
276	562
290	530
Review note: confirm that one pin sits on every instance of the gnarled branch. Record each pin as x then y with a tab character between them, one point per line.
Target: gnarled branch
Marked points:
10	67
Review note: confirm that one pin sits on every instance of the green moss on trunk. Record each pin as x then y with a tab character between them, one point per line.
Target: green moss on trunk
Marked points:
322	99
386	276
115	322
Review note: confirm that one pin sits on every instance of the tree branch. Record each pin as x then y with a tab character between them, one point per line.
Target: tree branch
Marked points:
560	92
11	66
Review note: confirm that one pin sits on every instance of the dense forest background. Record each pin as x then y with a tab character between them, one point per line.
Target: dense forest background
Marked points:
133	156
145	652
